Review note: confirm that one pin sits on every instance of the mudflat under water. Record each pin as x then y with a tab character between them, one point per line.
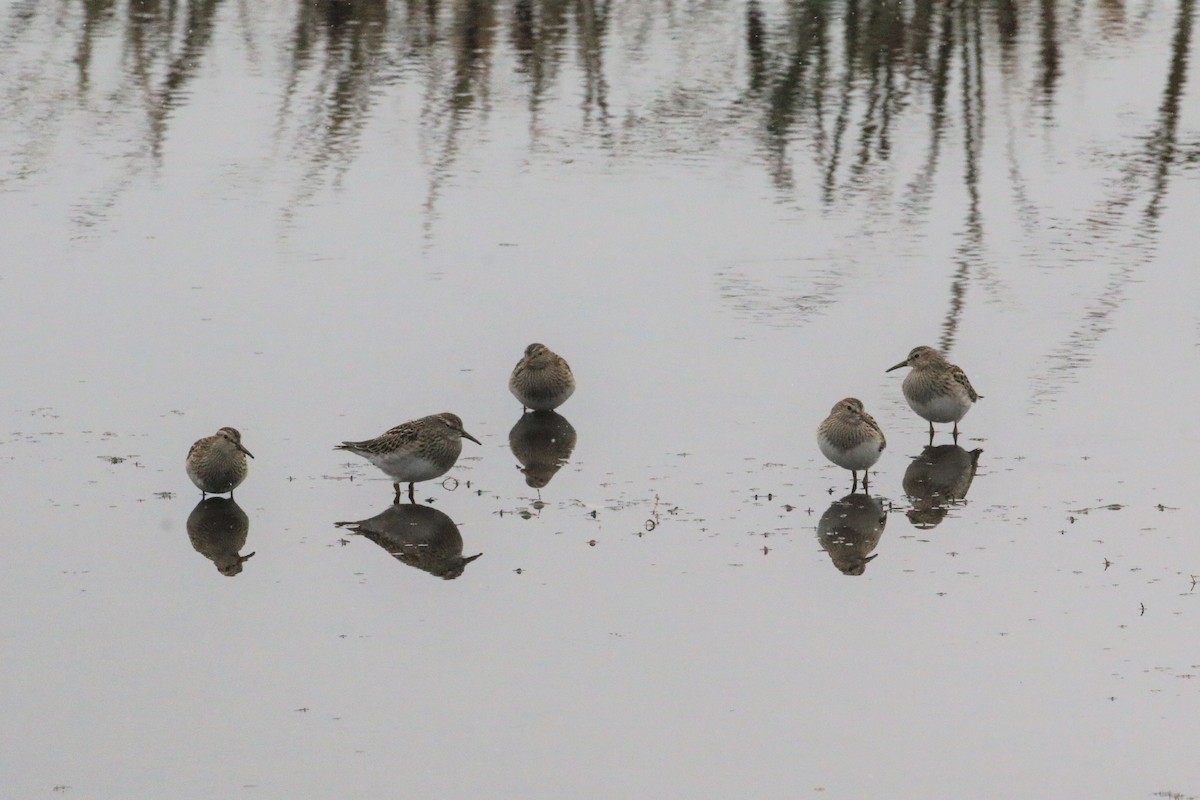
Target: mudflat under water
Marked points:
315	221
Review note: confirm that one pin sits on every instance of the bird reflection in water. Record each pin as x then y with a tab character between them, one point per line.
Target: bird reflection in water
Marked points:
850	529
419	536
936	479
542	441
218	529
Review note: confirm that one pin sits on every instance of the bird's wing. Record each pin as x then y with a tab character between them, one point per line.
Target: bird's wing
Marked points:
965	382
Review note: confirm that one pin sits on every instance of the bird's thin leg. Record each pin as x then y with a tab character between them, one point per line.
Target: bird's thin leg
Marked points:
866	473
854	480
396	499
411	497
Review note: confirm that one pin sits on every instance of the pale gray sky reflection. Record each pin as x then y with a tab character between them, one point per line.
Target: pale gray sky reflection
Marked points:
315	221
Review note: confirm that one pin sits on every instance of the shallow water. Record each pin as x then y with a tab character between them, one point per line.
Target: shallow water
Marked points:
315	224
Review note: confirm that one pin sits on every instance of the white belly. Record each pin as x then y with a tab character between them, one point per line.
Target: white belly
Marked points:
860	456
408	468
942	409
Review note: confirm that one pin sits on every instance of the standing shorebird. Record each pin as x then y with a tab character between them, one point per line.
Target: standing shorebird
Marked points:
542	379
936	389
217	464
420	450
851	438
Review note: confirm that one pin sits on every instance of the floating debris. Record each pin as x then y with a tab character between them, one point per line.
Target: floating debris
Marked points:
1109	507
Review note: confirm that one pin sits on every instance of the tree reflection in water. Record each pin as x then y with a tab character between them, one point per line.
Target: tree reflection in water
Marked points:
843	103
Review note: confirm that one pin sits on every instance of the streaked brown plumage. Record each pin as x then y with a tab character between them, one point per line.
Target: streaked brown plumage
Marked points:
415	451
936	389
217	463
542	380
851	438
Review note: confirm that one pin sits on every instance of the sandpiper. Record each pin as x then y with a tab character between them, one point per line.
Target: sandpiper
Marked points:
420	450
936	389
217	464
851	438
542	379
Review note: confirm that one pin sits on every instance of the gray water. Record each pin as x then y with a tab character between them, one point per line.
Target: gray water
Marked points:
315	223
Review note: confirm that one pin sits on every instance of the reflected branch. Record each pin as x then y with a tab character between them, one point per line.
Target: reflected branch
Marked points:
1049	53
970	250
341	43
849	84
921	187
1153	165
1161	148
150	37
447	106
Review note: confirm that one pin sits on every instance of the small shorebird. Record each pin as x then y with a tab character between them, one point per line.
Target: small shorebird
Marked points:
542	379
420	450
217	464
851	438
936	389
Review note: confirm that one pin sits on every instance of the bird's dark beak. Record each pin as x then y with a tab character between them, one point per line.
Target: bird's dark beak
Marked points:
903	363
472	438
244	450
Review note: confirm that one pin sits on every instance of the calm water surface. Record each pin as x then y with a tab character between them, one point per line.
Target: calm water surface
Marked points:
315	221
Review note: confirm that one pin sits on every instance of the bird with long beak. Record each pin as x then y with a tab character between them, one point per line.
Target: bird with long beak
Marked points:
415	451
936	389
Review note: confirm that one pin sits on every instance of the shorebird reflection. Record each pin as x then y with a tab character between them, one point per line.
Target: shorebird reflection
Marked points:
850	529
419	536
218	529
936	479
542	441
